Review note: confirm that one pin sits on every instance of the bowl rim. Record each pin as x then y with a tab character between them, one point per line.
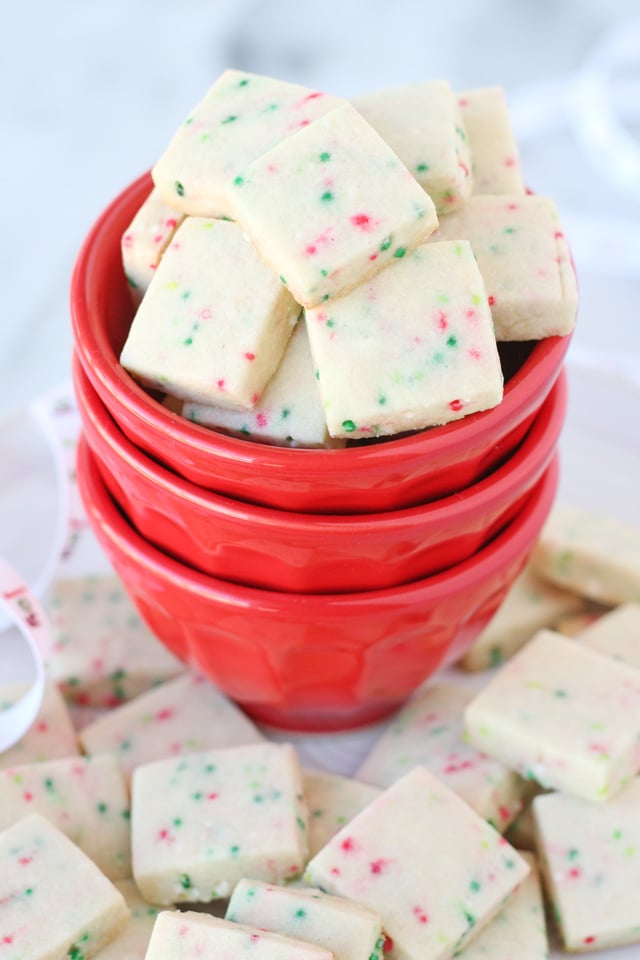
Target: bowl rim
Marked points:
529	458
97	357
499	552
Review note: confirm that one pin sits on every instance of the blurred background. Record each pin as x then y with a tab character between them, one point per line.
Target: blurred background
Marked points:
92	92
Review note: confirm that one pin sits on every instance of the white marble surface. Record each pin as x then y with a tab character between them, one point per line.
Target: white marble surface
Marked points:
93	90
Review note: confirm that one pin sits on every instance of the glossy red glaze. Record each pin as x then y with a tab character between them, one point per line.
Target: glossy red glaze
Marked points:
306	661
312	553
371	478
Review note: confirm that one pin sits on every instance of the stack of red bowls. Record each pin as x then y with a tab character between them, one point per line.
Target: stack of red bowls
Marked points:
317	588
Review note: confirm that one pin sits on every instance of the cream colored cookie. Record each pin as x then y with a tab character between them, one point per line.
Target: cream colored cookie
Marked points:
422	124
410	348
421	858
495	159
202	822
55	903
214	323
562	715
241	116
524	260
330	207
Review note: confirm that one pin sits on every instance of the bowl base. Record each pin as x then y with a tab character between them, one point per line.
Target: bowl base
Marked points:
307	720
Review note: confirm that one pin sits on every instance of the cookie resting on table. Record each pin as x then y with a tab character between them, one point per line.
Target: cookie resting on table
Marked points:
589	858
531	605
85	797
616	634
519	929
103	653
349	930
333	800
562	715
51	734
132	943
390	858
591	554
183	716
183	936
56	904
429	732
202	822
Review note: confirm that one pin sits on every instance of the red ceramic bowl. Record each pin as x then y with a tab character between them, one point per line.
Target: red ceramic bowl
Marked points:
311	553
307	661
368	478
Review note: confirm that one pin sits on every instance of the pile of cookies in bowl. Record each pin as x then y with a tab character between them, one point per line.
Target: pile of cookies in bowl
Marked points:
319	367
318	358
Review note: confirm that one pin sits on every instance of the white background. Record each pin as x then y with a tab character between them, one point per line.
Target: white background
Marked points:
93	89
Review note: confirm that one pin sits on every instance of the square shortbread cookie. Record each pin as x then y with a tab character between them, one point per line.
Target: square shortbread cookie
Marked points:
214	323
185	715
330	207
411	348
379	859
56	904
562	715
202	822
524	260
421	122
429	732
241	116
589	857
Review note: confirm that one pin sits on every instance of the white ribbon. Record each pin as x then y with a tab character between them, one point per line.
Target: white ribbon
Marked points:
58	418
27	614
